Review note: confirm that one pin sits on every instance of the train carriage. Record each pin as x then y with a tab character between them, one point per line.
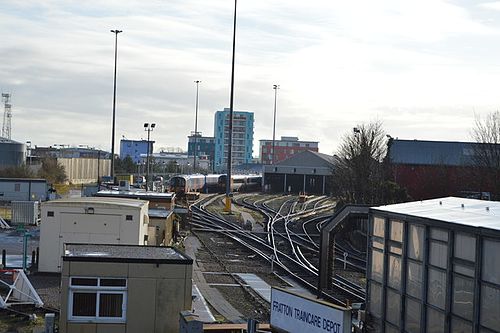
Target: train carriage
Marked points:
214	183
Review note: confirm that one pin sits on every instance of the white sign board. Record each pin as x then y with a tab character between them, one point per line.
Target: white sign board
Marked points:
296	314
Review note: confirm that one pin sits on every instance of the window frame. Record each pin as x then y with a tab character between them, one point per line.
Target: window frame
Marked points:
98	290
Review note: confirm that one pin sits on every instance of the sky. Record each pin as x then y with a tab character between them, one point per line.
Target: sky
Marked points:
425	69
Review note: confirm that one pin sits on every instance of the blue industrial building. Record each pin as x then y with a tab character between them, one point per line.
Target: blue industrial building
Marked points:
134	149
242	145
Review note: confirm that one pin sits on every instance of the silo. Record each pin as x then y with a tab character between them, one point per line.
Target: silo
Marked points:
12	153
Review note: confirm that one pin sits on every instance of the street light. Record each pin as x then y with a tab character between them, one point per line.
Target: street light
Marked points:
116	32
149	128
196	126
28	146
230	141
275	87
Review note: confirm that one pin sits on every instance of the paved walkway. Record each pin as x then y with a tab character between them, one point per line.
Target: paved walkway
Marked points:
211	295
256	283
201	308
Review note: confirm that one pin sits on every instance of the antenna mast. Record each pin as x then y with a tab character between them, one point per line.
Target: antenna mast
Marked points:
7	116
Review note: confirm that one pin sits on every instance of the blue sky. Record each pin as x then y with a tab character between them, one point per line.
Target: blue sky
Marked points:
424	68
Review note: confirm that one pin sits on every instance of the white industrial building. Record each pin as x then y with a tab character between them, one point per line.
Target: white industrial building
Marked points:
89	221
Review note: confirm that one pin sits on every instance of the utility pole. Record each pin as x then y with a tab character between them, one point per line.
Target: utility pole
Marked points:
230	141
116	32
275	87
196	127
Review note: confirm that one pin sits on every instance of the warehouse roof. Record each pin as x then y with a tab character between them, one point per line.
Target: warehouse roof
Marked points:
124	253
432	152
308	158
125	202
470	212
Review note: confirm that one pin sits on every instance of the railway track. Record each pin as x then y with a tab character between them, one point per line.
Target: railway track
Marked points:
294	253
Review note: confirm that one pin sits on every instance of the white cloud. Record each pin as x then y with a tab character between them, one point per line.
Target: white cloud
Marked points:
491	5
338	64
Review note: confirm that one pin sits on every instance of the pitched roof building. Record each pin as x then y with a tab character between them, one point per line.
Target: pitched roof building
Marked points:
307	171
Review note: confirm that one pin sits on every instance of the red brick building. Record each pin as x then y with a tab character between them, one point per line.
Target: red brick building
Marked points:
284	148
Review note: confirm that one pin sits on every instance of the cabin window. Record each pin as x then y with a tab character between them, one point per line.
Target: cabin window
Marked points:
17	187
97	299
129	218
50	213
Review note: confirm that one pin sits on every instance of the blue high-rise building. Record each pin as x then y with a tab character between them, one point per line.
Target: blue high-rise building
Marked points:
242	145
134	149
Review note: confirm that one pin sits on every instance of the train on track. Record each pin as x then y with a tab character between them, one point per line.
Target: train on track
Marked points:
214	183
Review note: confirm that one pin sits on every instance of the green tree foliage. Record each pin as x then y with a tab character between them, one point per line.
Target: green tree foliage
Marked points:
125	165
52	171
22	171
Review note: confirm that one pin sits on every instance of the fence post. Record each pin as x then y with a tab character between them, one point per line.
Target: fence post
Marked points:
33	258
50	321
4	258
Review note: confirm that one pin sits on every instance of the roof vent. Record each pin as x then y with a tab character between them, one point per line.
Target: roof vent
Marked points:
487	209
440	203
463	206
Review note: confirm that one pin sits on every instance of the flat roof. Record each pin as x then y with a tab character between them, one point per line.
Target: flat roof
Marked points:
158	213
99	201
33	180
136	194
469	212
124	253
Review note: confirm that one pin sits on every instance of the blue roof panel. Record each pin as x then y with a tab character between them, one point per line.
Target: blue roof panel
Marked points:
432	152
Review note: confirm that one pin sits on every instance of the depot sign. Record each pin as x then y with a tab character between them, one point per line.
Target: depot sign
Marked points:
297	314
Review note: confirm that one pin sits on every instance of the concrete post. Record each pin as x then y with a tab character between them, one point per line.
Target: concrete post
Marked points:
50	320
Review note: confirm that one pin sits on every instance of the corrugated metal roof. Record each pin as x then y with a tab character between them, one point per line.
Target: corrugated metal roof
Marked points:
432	152
470	212
99	201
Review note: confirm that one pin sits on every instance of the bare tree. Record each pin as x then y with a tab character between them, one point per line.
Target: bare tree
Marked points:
359	172
487	153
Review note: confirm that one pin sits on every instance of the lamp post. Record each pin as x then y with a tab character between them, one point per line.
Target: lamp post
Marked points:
28	146
148	128
275	87
196	126
230	141
98	168
116	32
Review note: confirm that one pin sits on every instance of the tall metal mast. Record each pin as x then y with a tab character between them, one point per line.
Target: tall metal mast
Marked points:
7	116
